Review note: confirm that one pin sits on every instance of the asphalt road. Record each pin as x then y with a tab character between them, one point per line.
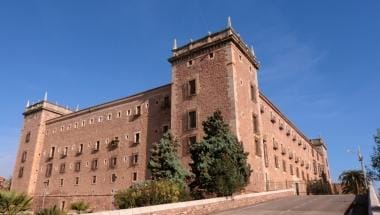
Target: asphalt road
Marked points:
307	205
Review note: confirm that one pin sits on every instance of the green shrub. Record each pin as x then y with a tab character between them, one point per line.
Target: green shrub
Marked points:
51	211
80	206
12	203
150	193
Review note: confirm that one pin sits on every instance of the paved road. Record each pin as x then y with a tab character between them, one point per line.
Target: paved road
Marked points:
305	205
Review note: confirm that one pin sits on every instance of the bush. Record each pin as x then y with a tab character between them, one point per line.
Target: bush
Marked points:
51	211
80	206
318	187
150	193
12	203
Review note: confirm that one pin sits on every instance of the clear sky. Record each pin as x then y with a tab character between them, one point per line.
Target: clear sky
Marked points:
320	60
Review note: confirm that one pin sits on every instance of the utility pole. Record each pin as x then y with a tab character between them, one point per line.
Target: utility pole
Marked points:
360	158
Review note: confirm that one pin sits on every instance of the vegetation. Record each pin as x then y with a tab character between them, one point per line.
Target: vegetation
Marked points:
219	161
164	163
51	211
80	206
12	203
319	187
375	157
353	181
150	193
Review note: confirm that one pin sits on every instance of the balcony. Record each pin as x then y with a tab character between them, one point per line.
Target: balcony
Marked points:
113	145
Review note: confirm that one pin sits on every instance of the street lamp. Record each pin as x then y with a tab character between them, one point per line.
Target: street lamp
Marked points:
360	159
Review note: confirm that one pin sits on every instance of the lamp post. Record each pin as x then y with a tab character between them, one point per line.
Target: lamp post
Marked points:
360	159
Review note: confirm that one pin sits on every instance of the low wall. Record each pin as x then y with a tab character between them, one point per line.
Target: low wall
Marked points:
206	206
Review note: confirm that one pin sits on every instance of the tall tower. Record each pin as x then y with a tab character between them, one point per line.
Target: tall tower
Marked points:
31	144
218	72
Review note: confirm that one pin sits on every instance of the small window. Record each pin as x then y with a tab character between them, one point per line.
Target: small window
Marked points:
100	119
189	63
109	116
23	157
77	166
63	203
135	159
119	114
138	110
27	137
192	85
92	121
49	168
137	137
83	123
284	165
128	112
134	176
266	159
192	119
52	151
255	124
76	125
93	181
94	164
61	182
62	168
97	146
113	177
65	150
76	182
113	162
253	93
62	128
80	149
211	55
166	103
291	169
21	172
240	58
276	164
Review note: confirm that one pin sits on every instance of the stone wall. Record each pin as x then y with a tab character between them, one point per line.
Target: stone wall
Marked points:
200	207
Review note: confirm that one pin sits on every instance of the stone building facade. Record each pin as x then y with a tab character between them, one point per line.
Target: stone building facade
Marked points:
66	155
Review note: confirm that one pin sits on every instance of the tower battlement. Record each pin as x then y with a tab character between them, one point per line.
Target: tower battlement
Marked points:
46	105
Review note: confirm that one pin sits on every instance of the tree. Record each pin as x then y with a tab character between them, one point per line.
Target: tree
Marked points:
51	211
12	203
353	181
164	162
375	157
219	161
80	206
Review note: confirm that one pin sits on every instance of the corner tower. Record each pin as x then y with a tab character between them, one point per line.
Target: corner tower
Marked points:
31	144
218	72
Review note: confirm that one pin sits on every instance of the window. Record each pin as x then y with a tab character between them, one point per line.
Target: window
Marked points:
49	168
135	159
94	164
23	157
276	161
52	151
253	93
291	169
100	119
266	160
21	172
97	146
165	129
61	182
62	168
76	181
77	166
284	165
109	116
211	55
189	63
192	87
83	123
63	205
27	137
138	110
92	121
257	147
297	172
137	137
134	176
76	125
113	177
64	153
255	124
166	103
93	181
192	119
128	112
119	114
113	162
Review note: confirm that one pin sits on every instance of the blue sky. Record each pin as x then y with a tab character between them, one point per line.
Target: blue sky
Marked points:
320	60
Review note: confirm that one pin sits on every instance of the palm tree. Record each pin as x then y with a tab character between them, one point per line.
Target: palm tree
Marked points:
12	203
51	211
353	181
80	206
